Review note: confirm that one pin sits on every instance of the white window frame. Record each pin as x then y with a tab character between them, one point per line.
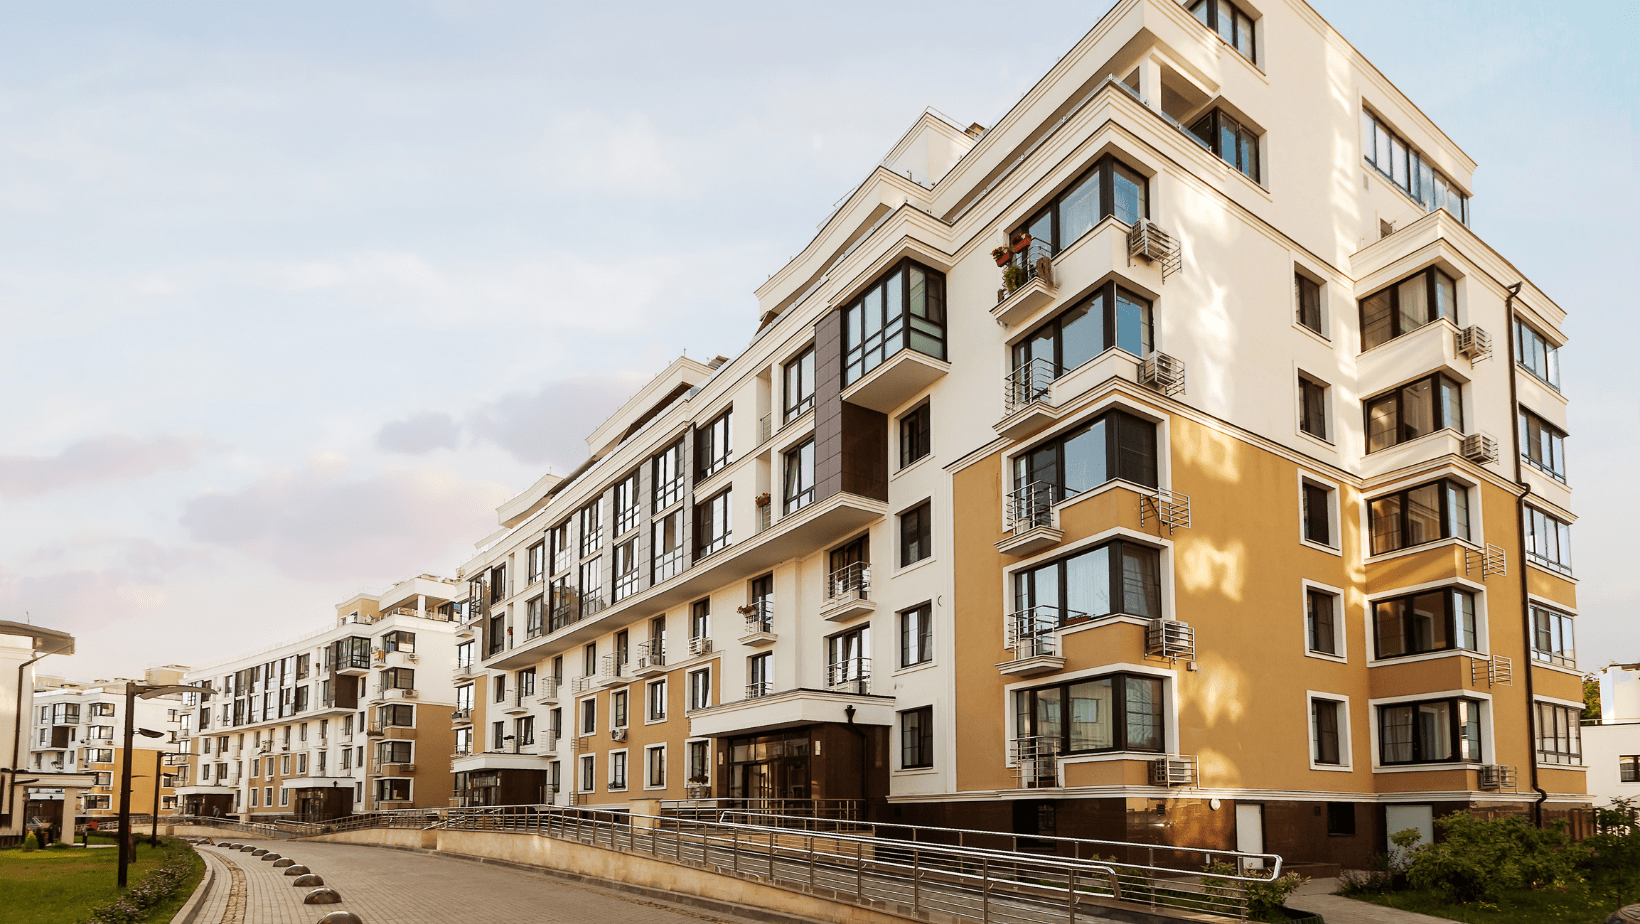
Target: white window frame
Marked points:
1483	641
1340	626
666	771
626	762
1345	743
689	679
648	698
1335	519
582	775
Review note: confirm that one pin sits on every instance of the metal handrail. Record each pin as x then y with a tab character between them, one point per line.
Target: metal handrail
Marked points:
759	616
1028	385
1030	632
850	582
850	675
1031	506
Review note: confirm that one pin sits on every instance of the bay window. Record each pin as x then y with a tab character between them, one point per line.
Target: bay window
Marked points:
1118	712
1548	541
1233	142
1402	307
1429	731
1559	735
1120	577
1109	188
1435	620
1542	445
1537	355
1426	513
904	309
1552	638
1110	317
1414	410
1114	445
1403	166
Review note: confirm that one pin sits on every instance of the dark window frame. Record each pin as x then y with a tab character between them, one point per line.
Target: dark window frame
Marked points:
1530	345
628	513
796	491
1217	123
720	539
798	372
1210	16
1538	435
1312	407
1318	631
1122	458
1403	528
1443	416
1456	632
666	469
1315	495
1327	743
1417	168
1308	311
1558	734
917	738
917	635
1108	294
1102	171
894	324
1554	636
1458	707
1433	309
714	445
1537	525
916	534
1119	707
916	427
1116	558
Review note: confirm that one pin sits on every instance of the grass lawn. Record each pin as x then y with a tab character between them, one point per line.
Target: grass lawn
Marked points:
1519	906
62	886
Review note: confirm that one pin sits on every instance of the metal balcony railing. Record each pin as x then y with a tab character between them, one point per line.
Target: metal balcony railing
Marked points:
850	676
850	582
1027	385
1030	632
652	654
1031	506
1034	261
758	689
1036	760
614	668
765	428
759	616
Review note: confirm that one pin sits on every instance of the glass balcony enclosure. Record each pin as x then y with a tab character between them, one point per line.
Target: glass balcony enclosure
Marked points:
904	309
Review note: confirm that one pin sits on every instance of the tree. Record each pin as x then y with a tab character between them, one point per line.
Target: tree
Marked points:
1591	699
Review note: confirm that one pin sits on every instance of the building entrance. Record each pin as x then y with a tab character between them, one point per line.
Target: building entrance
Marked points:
770	766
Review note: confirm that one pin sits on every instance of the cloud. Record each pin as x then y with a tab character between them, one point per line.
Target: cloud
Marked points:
322	523
109	457
419	433
81	599
552	424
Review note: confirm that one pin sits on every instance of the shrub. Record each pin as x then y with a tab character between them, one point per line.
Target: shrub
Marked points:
1478	859
1265	896
1612	856
30	842
160	884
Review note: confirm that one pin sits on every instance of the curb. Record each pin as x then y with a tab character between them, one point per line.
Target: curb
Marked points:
196	901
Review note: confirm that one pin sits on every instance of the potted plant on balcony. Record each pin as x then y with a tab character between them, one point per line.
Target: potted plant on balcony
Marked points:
1001	255
762	500
1013	277
1022	242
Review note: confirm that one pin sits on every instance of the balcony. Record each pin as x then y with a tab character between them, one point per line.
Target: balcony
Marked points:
615	671
651	659
893	383
1028	517
349	657
521	759
1027	405
700	647
518	703
850	676
461	717
1032	641
1028	284
396	693
770	711
1036	761
848	593
759	624
546	690
585	684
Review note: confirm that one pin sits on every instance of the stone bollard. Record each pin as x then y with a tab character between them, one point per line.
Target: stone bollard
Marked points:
260	851
269	857
322	897
1625	915
296	870
341	917
246	848
284	861
307	879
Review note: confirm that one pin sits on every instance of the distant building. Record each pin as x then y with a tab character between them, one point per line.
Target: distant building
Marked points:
21	646
1611	747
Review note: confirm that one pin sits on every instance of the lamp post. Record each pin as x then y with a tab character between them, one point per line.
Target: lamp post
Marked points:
133	692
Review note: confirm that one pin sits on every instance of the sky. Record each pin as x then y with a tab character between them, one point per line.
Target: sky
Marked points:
293	295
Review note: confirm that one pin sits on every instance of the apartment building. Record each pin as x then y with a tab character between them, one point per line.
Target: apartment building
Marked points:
80	728
1610	746
1171	461
21	647
353	718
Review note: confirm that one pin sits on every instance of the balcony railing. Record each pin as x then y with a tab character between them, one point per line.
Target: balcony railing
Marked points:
1033	261
1027	385
1030	631
1036	759
1031	507
850	582
850	676
614	668
651	654
758	689
759	616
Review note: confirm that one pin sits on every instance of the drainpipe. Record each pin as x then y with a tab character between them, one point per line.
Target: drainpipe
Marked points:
7	795
1525	599
865	761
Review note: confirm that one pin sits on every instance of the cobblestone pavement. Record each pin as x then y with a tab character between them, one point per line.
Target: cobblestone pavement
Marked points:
384	886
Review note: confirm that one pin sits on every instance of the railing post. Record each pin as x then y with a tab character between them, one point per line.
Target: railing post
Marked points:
985	889
1070	896
811	862
859	871
734	847
916	877
771	856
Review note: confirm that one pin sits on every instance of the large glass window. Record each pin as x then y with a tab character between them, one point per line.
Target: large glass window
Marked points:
626	569
712	532
1312	406
666	545
1108	188
563	554
914	434
1233	142
1426	513
798	484
1232	25
1431	731
536	561
592	587
1552	639
799	395
1407	169
916	535
666	470
1113	445
1120	712
1548	541
1414	410
905	309
1559	737
1118	577
1436	620
1110	317
917	738
1542	445
917	635
1322	622
712	450
1403	307
626	504
1537	355
1307	301
591	524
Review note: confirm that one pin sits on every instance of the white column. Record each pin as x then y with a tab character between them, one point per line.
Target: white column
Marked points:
1150	82
71	798
421	604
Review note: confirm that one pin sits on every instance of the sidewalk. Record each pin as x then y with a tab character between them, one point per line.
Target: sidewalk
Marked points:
1316	896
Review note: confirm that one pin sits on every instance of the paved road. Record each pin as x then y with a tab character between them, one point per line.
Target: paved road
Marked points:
385	886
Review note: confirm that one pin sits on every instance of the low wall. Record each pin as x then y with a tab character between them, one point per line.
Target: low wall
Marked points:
412	838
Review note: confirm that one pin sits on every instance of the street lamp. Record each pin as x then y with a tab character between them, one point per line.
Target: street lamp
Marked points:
133	692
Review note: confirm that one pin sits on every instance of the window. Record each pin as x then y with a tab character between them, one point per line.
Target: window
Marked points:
398	678
626	569
393	790
525	684
667	545
799	481
536	561
1403	166
1413	410
497	634
592	587
712	451
917	635
589	659
1407	305
622	649
848	660
1119	712
617	770
712	533
1307	301
1542	445
1233	142
700	764
558	537
591	527
394	752
617	709
1628	769
498	687
1548	541
759	675
904	309
1108	188
532	618
1110	317
1537	355
655	774
916	535
464	699
1341	819
667	472
799	385
1321	621
1232	25
1312	406
1436	620
1431	731
464	745
589	716
398	715
626	504
1327	716
1318	518
498	587
917	738
1113	445
914	434
700	688
588	773
1552	637
524	731
657	701
700	619
1117	577
1427	513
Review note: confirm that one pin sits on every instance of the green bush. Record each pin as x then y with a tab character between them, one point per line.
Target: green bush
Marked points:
1477	859
30	842
133	905
1265	897
1611	856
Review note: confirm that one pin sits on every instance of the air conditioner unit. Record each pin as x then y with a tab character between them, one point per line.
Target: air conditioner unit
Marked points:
1173	770
409	694
700	646
411	658
1478	447
1163	373
1475	343
407	768
1497	776
617	734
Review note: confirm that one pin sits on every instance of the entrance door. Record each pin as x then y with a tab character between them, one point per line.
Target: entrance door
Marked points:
1398	818
1250	831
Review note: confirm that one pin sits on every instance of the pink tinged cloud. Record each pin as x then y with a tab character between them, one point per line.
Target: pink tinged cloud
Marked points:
111	457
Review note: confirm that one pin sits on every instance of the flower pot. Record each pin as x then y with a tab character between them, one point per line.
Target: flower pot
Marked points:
1023	242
